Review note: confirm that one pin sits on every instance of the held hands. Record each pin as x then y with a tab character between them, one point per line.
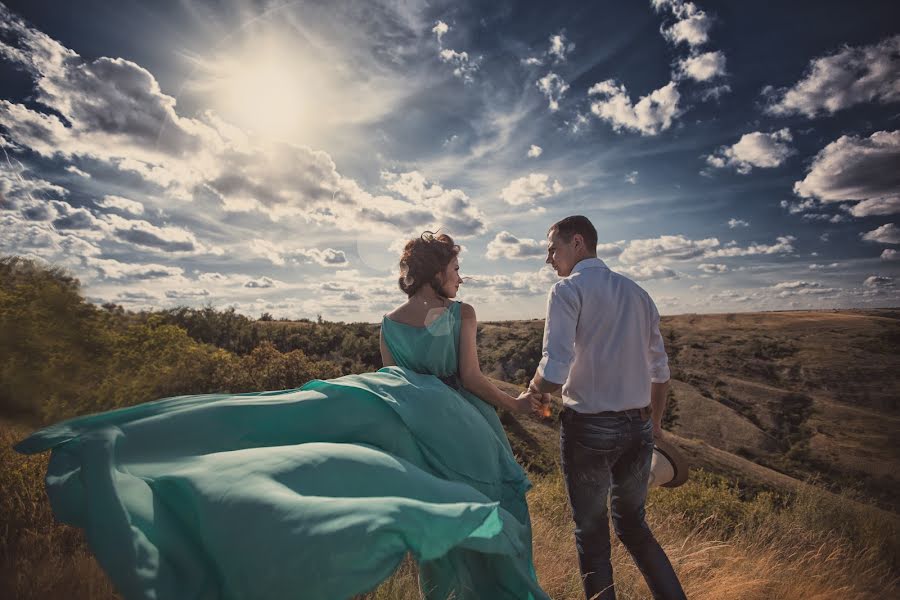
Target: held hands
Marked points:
533	400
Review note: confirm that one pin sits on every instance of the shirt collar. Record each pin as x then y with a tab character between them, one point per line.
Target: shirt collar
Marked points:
588	263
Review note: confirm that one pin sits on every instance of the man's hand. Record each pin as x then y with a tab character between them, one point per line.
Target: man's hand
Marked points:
524	403
657	430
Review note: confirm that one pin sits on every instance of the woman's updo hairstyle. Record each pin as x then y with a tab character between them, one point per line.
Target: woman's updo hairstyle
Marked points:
423	259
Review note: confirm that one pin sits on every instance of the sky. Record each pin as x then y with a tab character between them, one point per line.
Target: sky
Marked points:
273	156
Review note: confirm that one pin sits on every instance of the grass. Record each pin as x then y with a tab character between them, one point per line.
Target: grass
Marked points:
723	544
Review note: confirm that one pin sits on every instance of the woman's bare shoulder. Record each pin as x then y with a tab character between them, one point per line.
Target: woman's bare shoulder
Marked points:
466	310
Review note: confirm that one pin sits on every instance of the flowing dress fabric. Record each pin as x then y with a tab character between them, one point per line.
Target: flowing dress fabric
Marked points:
312	493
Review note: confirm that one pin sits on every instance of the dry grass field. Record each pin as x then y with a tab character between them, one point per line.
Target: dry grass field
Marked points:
789	418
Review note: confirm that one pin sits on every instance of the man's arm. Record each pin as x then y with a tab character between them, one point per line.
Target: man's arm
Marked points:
563	307
658	363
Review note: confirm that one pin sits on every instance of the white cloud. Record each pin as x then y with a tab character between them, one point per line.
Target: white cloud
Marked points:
652	114
187	294
114	269
733	223
439	29
611	250
816	267
783	245
506	245
691	26
757	149
712	268
890	254
675	247
463	66
76	171
878	281
535	151
647	272
850	76
528	189
886	234
886	205
532	61
854	168
329	257
553	86
260	282
427	204
146	235
632	177
560	47
123	204
702	67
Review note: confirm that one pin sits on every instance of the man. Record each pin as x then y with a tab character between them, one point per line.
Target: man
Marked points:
603	347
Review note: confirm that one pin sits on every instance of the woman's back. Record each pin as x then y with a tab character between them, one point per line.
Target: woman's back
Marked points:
431	348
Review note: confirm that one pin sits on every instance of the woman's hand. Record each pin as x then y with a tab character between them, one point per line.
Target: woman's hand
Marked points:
525	403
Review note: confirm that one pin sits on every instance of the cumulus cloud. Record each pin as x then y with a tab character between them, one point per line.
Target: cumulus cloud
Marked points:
757	149
427	203
878	281
712	268
145	234
553	87
652	114
526	190
463	66
675	247
529	283
886	234
783	245
123	204
802	288
632	177
76	171
560	47
647	272
849	76
691	24
113	269
702	67
506	245
886	205
187	294
859	169
535	151
733	223
260	282
329	257
890	254
439	29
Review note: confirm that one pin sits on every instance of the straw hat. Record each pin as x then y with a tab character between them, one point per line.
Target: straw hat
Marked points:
668	467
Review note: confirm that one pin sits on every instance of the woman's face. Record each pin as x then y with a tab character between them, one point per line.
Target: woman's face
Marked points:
450	279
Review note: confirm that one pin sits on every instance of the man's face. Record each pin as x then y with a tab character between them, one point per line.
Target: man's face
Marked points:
562	255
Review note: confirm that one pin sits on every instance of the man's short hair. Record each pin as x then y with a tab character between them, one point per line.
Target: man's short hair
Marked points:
568	227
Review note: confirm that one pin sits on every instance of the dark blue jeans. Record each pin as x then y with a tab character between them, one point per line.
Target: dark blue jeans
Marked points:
608	455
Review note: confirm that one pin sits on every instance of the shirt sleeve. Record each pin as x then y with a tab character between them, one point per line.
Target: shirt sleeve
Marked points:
563	307
657	360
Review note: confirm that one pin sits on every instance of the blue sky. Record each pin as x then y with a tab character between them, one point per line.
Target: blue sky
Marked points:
272	156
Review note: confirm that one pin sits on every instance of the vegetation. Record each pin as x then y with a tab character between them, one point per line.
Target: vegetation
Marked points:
768	388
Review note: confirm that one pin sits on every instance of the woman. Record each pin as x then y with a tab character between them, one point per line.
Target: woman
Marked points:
317	492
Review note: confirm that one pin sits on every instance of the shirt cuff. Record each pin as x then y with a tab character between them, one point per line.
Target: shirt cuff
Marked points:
660	374
553	370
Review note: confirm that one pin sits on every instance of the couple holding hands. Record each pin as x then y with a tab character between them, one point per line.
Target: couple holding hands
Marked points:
320	492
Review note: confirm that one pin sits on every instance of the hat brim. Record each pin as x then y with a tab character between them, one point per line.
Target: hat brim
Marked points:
678	461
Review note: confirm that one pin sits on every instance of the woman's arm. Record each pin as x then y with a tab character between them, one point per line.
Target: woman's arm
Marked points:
470	371
387	359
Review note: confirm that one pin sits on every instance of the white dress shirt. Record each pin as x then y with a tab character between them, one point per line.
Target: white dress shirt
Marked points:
602	340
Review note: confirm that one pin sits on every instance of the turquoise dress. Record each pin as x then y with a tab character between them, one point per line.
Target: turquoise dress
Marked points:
312	493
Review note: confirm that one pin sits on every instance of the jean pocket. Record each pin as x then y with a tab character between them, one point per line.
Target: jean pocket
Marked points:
599	446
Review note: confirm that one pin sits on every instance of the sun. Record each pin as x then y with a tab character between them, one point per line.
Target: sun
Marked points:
265	91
